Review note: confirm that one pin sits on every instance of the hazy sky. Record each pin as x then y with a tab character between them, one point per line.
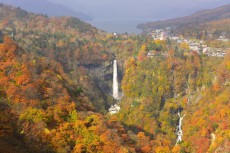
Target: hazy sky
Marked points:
140	8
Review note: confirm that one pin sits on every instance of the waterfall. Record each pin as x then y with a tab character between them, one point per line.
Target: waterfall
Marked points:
115	108
115	81
179	131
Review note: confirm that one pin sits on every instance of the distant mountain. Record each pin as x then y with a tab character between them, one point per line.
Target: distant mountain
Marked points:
196	19
46	7
182	8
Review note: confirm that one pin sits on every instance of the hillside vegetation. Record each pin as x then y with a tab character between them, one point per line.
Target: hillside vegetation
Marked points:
156	89
50	112
76	45
55	82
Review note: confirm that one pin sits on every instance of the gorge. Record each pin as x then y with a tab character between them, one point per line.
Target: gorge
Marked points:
62	90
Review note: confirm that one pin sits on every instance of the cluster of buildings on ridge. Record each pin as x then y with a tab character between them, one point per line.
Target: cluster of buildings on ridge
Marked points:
194	45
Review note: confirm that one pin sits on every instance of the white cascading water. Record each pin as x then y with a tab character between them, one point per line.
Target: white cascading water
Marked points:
179	131
115	81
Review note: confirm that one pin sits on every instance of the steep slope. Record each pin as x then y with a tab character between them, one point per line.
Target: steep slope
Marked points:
64	39
47	110
50	90
76	45
46	7
157	88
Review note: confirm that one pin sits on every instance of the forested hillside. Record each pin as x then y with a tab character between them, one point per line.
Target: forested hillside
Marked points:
201	23
55	90
50	113
157	89
76	45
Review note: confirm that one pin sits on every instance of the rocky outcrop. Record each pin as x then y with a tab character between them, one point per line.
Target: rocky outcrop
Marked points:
101	76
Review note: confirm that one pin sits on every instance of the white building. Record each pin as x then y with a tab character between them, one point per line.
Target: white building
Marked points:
114	109
159	34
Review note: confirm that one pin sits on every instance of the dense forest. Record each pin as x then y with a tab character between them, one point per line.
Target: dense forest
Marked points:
55	90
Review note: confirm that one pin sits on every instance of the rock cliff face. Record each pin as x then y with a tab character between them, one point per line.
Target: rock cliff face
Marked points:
101	76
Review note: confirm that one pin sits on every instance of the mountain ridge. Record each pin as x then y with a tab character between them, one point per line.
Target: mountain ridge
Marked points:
198	18
47	7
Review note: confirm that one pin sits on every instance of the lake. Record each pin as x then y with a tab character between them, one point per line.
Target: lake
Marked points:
120	25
